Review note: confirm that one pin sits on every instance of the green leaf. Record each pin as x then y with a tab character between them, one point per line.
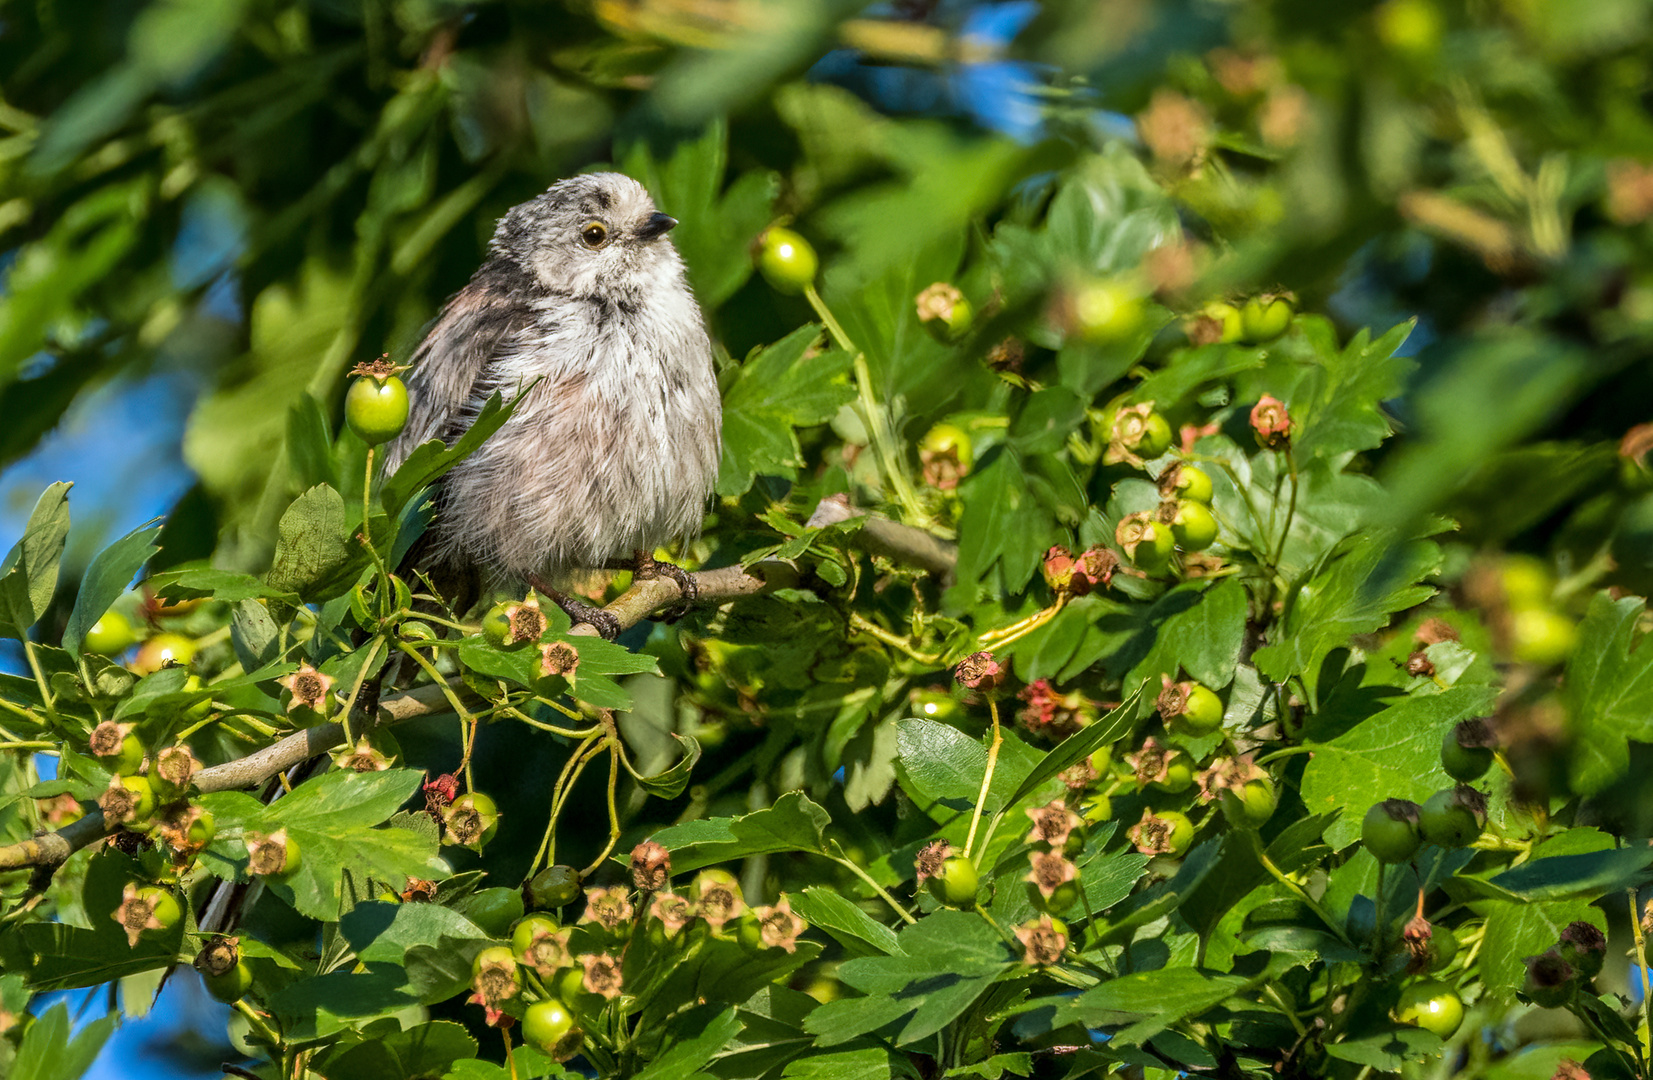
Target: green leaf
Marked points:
1194	628
331	818
315	556
310	444
1581	877
826	909
108	576
1395	754
28	576
1336	406
793	823
1387	1051
1515	930
853	1062
778	390
1372	577
224	585
671	783
948	960
1075	748
391	1053
431	461
68	957
47	1051
1146	1003
1002	524
687	1057
1608	691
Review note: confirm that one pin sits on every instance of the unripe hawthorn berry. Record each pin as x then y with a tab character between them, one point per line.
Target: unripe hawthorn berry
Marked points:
946	453
1541	636
718	896
549	1026
162	650
1100	310
116	748
1147	543
1390	830
470	820
1264	318
528	928
1138	432
1432	1005
1453	817
553	887
111	634
944	312
787	260
1184	481
1584	947
1551	981
1466	750
1162	832
145	909
272	854
128	801
1252	805
376	408
1193	526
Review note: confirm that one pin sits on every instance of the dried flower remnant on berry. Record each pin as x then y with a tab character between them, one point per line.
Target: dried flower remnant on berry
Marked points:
524	622
1227	774
1131	427
1271	422
107	738
602	974
937	302
176	766
1419	666
778	927
175	829
651	866
308	688
1048	870
1568	1069
1175	128
1052	715
136	913
1173	697
495	983
1052	824
218	956
558	658
266	853
362	758
1417	936
1548	971
609	907
119	803
673	912
1152	835
1041	942
979	671
380	368
1079	777
548	953
1007	356
1152	763
930	858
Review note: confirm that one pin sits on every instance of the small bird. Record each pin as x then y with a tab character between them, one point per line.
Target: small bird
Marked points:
614	449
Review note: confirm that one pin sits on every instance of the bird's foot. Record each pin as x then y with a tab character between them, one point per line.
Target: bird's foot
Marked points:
606	625
647	566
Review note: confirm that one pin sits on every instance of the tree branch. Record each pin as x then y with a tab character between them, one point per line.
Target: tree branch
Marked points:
891	539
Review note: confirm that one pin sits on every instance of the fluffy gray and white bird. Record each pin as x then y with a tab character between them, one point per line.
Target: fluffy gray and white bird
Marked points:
615	448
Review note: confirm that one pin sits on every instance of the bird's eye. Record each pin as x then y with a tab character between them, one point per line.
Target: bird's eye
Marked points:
595	234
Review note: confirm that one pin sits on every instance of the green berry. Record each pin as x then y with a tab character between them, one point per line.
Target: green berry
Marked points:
955	883
1466	761
553	887
1390	830
1194	528
496	625
1060	899
546	1024
1449	818
528	928
470	820
1432	1005
493	956
376	409
1202	713
164	904
1265	318
1181	832
111	634
1103	311
1192	482
1252	805
787	260
1541	636
232	985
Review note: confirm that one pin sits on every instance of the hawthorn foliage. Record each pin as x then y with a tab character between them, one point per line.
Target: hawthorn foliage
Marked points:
1093	671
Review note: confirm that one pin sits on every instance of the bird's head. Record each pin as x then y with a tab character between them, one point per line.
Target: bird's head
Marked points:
596	234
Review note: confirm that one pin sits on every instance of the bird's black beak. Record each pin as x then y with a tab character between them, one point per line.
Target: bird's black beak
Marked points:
657	225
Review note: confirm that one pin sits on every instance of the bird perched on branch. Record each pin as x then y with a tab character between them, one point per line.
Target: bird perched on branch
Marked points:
582	301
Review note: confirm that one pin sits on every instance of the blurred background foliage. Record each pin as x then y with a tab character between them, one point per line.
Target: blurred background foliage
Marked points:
209	208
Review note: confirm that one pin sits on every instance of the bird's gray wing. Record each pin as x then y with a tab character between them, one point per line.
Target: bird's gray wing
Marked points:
476	324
